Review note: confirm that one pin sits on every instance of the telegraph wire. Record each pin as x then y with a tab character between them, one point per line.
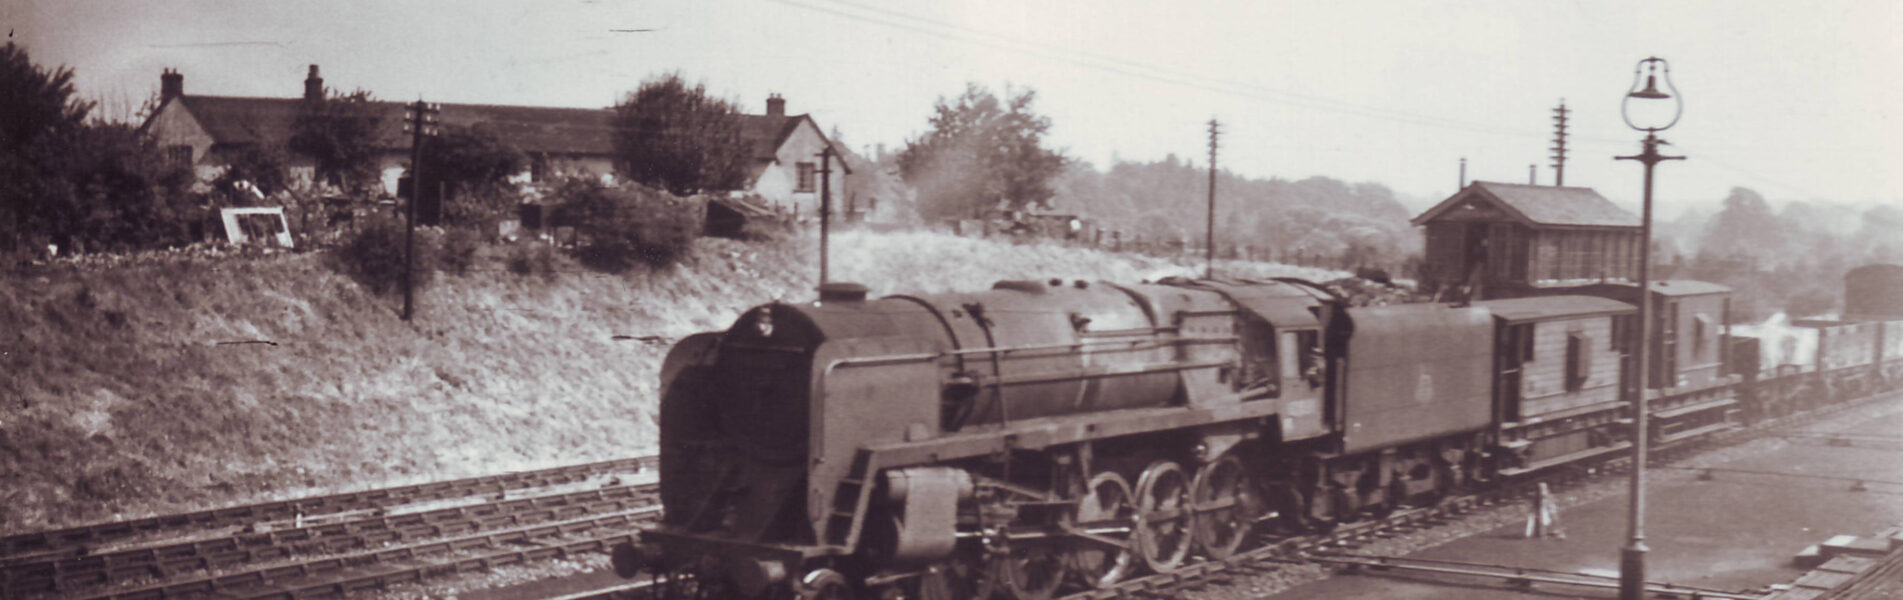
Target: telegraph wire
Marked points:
1159	74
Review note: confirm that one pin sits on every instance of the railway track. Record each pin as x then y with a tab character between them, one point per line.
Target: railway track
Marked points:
340	542
334	546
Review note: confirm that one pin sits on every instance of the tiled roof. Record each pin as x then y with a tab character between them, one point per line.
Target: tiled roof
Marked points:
535	129
765	133
1542	205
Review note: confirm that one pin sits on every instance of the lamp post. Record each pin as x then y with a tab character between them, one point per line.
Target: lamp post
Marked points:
1651	120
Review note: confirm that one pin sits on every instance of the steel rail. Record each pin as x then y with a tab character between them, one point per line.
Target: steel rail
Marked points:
69	572
349	572
55	539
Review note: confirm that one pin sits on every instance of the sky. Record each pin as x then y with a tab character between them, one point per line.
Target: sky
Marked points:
1796	100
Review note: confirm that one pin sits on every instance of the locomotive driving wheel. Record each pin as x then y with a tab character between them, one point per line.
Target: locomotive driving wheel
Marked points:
1029	572
1225	508
1163	520
1105	512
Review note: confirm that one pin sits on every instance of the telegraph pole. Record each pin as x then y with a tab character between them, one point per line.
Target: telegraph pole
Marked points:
1559	143
1209	237
420	122
825	207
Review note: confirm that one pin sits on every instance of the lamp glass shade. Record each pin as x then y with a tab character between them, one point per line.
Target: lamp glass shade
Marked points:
1650	107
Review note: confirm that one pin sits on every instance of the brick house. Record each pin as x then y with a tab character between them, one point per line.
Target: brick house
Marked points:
785	171
206	131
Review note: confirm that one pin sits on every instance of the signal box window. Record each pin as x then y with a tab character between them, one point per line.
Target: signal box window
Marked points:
806	178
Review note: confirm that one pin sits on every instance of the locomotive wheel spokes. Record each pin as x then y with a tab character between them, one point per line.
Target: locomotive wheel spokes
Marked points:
1164	521
1225	507
1108	504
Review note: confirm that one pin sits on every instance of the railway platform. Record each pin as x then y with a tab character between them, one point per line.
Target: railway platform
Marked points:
1730	523
1850	568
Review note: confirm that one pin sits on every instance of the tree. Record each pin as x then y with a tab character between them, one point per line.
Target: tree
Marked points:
477	162
339	133
75	184
981	152
259	170
678	138
37	109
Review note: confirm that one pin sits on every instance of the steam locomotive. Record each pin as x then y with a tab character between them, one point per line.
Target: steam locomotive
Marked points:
1051	435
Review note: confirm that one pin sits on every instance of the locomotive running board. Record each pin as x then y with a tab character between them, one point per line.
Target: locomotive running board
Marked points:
1032	434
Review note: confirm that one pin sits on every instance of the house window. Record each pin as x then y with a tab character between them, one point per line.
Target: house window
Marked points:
806	178
180	154
538	168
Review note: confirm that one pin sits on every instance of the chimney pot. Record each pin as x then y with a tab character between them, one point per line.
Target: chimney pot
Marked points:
775	106
313	85
171	85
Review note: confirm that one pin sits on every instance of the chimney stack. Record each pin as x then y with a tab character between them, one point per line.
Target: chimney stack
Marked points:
775	106
313	85
171	85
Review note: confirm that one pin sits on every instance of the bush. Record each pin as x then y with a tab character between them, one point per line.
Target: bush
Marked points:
628	225
459	247
531	257
374	256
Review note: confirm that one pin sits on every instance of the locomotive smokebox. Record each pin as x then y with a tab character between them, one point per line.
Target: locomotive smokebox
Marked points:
1874	293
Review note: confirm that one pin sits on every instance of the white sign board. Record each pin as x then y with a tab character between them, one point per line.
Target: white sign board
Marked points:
263	224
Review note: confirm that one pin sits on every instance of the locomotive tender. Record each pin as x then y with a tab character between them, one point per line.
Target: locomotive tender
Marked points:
1038	435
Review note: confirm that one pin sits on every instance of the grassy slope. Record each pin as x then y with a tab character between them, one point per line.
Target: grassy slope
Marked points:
118	398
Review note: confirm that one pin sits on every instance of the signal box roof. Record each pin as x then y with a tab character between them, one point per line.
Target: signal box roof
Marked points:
1538	206
1547	308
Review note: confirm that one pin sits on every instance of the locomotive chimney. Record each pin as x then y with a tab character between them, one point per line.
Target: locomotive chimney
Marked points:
171	85
313	85
775	106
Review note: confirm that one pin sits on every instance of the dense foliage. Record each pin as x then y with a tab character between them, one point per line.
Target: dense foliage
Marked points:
622	226
374	255
339	134
981	153
253	174
1311	219
476	163
1791	261
75	184
677	138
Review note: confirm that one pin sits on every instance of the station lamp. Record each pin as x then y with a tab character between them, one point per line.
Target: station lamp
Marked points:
1651	110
